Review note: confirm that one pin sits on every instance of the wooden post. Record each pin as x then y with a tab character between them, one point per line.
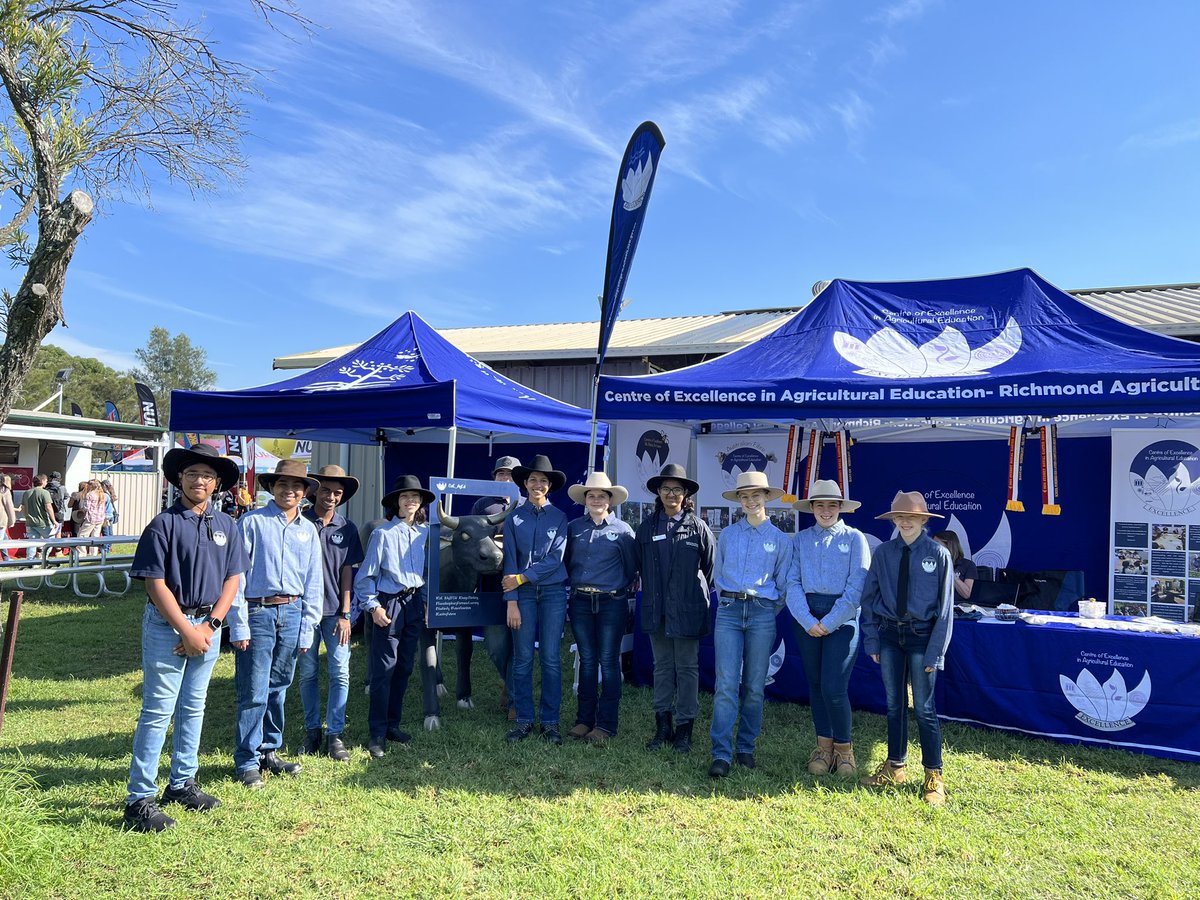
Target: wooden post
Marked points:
10	645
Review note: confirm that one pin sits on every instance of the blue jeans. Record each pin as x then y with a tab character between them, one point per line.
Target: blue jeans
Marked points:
338	660
902	658
262	674
171	685
742	639
828	662
543	615
393	650
599	626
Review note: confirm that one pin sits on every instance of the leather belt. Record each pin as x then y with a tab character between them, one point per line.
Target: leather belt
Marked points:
400	595
273	600
737	595
193	611
599	594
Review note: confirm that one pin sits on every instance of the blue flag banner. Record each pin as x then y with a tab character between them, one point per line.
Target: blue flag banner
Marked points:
636	178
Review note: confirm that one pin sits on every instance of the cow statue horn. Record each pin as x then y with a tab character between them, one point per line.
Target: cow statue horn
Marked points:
496	518
447	521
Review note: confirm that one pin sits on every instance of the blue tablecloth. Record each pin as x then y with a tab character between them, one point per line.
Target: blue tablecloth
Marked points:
1128	690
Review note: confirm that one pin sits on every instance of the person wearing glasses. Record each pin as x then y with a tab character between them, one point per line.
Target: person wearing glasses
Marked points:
284	594
190	560
675	554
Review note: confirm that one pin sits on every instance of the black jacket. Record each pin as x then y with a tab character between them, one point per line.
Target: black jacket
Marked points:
680	596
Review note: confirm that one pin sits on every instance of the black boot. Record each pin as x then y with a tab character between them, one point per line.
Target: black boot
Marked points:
663	732
312	741
683	737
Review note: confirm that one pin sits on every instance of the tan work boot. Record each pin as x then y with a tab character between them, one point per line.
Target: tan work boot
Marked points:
935	788
888	773
822	757
844	763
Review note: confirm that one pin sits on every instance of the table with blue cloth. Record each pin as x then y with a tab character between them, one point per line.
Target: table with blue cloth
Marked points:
1132	691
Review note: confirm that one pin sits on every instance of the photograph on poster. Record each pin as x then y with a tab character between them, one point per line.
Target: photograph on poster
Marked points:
715	517
783	519
1194	563
1129	609
1168	537
631	514
1133	562
1167	590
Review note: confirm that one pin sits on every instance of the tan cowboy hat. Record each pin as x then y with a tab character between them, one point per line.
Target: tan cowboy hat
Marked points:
598	481
753	480
826	489
909	503
287	468
336	473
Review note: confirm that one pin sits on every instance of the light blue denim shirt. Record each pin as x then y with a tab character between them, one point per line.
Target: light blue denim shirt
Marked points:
831	560
395	561
285	558
754	560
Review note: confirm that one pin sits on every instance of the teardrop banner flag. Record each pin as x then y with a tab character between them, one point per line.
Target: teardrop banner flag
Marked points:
149	408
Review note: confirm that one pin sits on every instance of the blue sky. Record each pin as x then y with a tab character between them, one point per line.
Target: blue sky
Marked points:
459	160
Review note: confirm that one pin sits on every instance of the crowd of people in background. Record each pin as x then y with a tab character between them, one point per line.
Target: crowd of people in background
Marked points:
287	577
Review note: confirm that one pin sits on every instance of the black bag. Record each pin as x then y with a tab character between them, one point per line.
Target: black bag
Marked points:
58	496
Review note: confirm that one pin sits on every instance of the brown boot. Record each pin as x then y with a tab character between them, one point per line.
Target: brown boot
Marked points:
888	773
844	764
822	758
935	788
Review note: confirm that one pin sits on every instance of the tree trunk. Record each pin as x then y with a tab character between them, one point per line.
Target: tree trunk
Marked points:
37	307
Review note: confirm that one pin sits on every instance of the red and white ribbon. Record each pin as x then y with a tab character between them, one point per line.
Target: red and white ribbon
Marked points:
1016	453
1050	504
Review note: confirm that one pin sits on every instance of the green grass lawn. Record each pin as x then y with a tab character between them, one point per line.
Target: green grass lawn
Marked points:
462	813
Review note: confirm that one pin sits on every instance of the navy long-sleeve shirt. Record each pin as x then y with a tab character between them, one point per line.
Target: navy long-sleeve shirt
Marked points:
601	556
535	543
930	593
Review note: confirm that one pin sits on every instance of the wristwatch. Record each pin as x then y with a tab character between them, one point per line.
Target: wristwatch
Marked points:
344	615
213	622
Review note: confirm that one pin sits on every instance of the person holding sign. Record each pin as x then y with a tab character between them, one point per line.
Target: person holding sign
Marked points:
908	613
675	559
602	564
534	585
829	569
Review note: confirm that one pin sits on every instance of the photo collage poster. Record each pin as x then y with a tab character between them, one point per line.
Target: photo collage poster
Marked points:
1155	523
641	449
720	458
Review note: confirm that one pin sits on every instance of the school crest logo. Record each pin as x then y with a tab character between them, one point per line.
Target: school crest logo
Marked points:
1161	477
929	564
1108	706
337	537
220	539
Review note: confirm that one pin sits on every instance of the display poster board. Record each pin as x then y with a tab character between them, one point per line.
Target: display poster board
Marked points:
720	458
1154	526
459	610
639	451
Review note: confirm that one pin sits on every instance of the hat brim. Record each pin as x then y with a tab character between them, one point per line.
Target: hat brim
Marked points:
578	493
773	494
805	505
557	478
653	484
393	498
349	484
891	515
179	458
267	480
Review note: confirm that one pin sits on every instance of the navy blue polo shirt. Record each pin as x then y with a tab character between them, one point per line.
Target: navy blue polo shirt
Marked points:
178	547
340	547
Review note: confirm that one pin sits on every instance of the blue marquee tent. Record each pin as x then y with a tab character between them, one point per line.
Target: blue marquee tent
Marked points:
406	380
1009	344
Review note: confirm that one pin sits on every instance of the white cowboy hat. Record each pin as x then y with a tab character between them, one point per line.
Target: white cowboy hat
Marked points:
598	481
826	489
753	480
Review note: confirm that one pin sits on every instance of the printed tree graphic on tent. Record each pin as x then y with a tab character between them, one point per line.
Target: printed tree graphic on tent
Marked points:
367	373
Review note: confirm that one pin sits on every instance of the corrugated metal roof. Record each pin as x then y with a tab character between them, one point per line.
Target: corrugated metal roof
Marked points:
1168	308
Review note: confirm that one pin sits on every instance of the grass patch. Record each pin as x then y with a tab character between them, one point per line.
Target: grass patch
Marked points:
461	813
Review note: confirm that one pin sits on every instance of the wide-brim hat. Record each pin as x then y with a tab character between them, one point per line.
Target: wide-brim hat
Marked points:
909	503
505	462
287	468
336	473
402	484
672	472
540	464
826	489
753	480
598	481
179	458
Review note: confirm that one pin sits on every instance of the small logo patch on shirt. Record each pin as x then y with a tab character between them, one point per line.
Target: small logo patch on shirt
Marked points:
337	537
219	538
843	548
517	520
929	564
612	535
770	548
551	532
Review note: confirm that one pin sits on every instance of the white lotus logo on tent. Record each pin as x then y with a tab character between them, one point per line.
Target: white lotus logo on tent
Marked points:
441	485
889	354
634	184
1108	706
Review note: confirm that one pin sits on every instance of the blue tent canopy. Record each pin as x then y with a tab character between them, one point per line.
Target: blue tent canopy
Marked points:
1009	344
405	378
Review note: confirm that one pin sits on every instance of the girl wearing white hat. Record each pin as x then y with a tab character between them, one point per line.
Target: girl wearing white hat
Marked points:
602	566
829	568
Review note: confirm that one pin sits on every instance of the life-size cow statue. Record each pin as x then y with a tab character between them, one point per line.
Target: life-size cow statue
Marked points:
469	549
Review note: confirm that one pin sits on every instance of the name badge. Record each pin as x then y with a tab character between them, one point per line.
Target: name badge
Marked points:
659	537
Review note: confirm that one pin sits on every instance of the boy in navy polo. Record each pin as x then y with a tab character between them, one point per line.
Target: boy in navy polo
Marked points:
341	551
190	559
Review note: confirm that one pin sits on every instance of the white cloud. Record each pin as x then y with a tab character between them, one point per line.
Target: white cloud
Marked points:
98	283
1165	137
117	359
902	11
